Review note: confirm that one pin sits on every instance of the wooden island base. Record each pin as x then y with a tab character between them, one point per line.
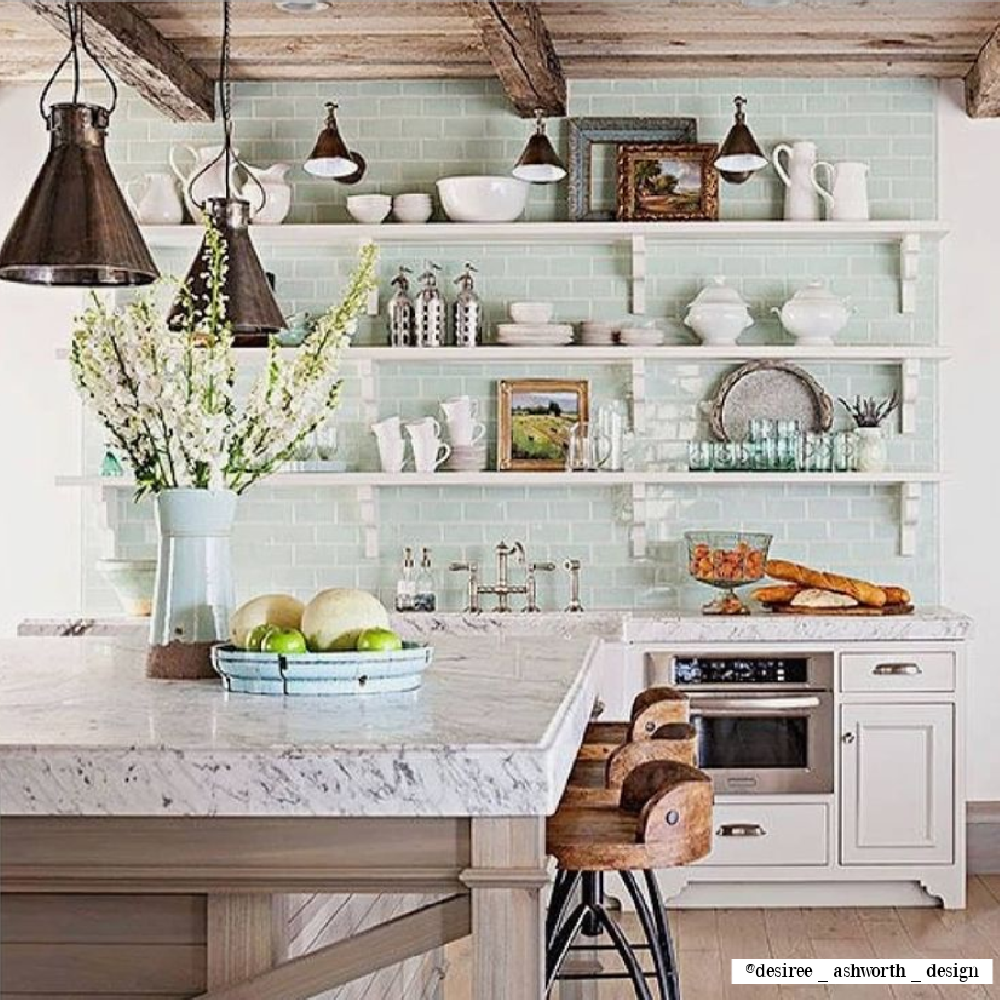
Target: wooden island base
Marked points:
183	908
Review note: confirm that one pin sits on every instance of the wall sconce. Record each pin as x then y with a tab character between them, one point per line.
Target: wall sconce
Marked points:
330	156
740	157
539	163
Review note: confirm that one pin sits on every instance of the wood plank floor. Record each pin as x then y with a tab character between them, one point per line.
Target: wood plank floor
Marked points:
707	939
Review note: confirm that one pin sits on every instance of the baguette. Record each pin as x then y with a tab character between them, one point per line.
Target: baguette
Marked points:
780	594
862	592
897	595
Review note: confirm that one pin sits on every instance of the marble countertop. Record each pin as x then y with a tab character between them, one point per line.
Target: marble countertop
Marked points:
493	732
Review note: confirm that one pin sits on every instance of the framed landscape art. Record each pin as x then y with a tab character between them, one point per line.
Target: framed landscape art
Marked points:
534	420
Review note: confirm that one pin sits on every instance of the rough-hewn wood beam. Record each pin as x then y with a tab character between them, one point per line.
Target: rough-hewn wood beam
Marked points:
136	53
520	48
982	83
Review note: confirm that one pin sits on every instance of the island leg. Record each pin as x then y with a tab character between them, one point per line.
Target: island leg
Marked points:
244	936
509	879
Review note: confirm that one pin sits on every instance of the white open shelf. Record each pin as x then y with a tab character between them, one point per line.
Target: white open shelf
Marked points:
909	236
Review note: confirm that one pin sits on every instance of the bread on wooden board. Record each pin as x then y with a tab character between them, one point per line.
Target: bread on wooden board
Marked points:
812	598
777	594
897	595
862	592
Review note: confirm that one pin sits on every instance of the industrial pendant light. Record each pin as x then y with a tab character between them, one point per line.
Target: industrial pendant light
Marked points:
330	156
251	310
75	227
539	163
740	157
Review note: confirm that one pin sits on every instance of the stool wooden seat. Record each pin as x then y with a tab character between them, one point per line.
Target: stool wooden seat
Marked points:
653	708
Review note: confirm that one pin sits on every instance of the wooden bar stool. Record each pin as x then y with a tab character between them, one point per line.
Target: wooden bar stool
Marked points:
663	819
653	708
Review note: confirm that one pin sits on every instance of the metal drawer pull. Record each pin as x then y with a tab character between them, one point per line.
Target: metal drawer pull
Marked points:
897	670
741	830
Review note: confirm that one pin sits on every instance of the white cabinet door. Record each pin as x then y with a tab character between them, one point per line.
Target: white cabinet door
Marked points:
897	785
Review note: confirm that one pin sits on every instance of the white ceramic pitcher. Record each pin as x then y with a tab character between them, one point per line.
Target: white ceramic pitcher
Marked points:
847	197
273	209
801	203
154	200
211	184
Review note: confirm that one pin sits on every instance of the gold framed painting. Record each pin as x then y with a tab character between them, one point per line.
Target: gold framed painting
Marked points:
534	420
668	182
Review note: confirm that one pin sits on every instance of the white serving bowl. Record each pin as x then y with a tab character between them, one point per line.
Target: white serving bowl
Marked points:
133	581
412	207
369	208
483	199
532	313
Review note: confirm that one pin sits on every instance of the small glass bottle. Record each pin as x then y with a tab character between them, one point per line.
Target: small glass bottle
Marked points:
426	595
406	585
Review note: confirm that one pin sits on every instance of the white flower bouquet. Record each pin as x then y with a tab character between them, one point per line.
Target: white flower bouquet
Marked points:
165	391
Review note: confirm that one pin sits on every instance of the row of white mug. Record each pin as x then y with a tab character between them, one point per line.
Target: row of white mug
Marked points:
430	452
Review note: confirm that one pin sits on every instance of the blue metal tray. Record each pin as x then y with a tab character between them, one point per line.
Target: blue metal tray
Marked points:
322	673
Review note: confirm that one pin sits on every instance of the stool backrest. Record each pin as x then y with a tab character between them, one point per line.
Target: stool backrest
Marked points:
656	707
676	741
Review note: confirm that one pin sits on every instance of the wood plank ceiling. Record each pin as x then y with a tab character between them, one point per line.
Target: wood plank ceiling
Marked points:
590	38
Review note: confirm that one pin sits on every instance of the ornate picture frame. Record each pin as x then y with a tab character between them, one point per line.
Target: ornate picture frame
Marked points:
668	183
585	133
533	421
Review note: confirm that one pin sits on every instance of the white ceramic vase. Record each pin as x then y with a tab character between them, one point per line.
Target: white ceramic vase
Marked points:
872	452
194	587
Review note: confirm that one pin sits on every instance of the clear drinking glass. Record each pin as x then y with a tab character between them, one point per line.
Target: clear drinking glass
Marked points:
844	452
612	423
587	450
700	454
761	429
326	442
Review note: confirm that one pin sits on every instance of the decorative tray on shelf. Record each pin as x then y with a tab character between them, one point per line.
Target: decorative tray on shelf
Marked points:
322	673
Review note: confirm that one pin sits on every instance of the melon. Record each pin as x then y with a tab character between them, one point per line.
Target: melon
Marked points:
333	619
279	610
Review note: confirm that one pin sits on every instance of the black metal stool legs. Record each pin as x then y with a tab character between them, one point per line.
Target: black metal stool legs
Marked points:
652	931
673	991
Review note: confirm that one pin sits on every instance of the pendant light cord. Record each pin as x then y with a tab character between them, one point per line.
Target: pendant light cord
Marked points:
77	41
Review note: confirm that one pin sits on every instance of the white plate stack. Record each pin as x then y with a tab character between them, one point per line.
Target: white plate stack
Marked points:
467	458
596	334
640	336
532	326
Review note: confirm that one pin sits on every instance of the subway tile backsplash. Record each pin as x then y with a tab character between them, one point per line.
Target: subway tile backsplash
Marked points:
412	133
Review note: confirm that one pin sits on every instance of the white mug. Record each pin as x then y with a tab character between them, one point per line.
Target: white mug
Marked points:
389	429
466	433
429	454
391	454
847	199
424	429
460	408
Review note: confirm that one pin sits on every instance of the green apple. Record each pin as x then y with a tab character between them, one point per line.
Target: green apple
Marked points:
255	640
284	640
379	640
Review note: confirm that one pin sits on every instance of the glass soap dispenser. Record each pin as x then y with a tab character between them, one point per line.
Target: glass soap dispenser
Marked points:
406	585
400	312
430	311
467	311
426	597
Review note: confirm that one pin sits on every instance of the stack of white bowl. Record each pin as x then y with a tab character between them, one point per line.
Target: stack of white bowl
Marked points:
597	334
532	326
633	332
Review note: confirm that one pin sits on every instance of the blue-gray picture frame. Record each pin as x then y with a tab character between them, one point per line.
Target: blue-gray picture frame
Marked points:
585	133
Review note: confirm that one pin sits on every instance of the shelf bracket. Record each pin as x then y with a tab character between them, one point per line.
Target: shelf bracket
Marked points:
639	275
369	391
639	395
909	518
369	520
909	271
638	530
910	377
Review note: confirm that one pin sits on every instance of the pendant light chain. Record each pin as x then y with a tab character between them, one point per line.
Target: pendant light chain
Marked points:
226	92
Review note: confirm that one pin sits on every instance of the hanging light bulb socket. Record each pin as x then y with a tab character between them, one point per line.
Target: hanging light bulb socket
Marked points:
330	157
251	309
75	227
740	157
539	163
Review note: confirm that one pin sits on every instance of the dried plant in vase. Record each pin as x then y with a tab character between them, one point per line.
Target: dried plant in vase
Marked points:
869	414
165	390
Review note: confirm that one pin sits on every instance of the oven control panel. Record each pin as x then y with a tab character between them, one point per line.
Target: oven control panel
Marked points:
692	671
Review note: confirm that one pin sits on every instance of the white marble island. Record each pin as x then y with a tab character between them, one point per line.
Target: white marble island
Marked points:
110	783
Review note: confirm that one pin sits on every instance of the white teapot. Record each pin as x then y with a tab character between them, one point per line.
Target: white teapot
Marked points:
273	209
814	315
198	187
718	315
154	200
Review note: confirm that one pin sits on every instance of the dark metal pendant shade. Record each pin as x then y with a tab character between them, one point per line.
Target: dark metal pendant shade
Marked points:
250	305
539	162
75	228
330	157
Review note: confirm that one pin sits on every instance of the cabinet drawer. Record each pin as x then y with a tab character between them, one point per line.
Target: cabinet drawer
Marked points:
897	671
793	834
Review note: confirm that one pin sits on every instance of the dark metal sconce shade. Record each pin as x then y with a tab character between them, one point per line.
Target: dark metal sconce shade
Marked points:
250	306
539	163
330	156
740	156
75	228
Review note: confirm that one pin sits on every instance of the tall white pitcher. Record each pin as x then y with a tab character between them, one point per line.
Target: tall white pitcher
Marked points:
847	198
801	202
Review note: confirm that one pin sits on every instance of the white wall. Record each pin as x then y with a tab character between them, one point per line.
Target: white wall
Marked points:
969	155
39	526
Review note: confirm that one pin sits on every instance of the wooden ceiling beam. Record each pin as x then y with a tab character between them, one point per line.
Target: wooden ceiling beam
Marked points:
520	48
982	82
136	53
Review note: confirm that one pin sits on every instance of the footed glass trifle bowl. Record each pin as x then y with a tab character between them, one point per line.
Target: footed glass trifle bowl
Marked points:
727	560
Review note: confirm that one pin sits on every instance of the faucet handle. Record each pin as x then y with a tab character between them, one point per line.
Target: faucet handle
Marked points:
466	567
573	565
542	567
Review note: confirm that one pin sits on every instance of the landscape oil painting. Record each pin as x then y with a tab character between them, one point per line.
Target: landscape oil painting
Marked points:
535	419
667	182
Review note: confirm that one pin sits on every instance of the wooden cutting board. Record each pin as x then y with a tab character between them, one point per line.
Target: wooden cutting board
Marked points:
859	612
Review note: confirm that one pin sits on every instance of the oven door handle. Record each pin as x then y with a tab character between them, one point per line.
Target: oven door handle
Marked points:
708	705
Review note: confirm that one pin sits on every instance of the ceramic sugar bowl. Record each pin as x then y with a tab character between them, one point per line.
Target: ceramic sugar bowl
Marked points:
718	315
814	315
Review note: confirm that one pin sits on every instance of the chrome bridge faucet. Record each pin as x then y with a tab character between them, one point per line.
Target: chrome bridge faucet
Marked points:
503	590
